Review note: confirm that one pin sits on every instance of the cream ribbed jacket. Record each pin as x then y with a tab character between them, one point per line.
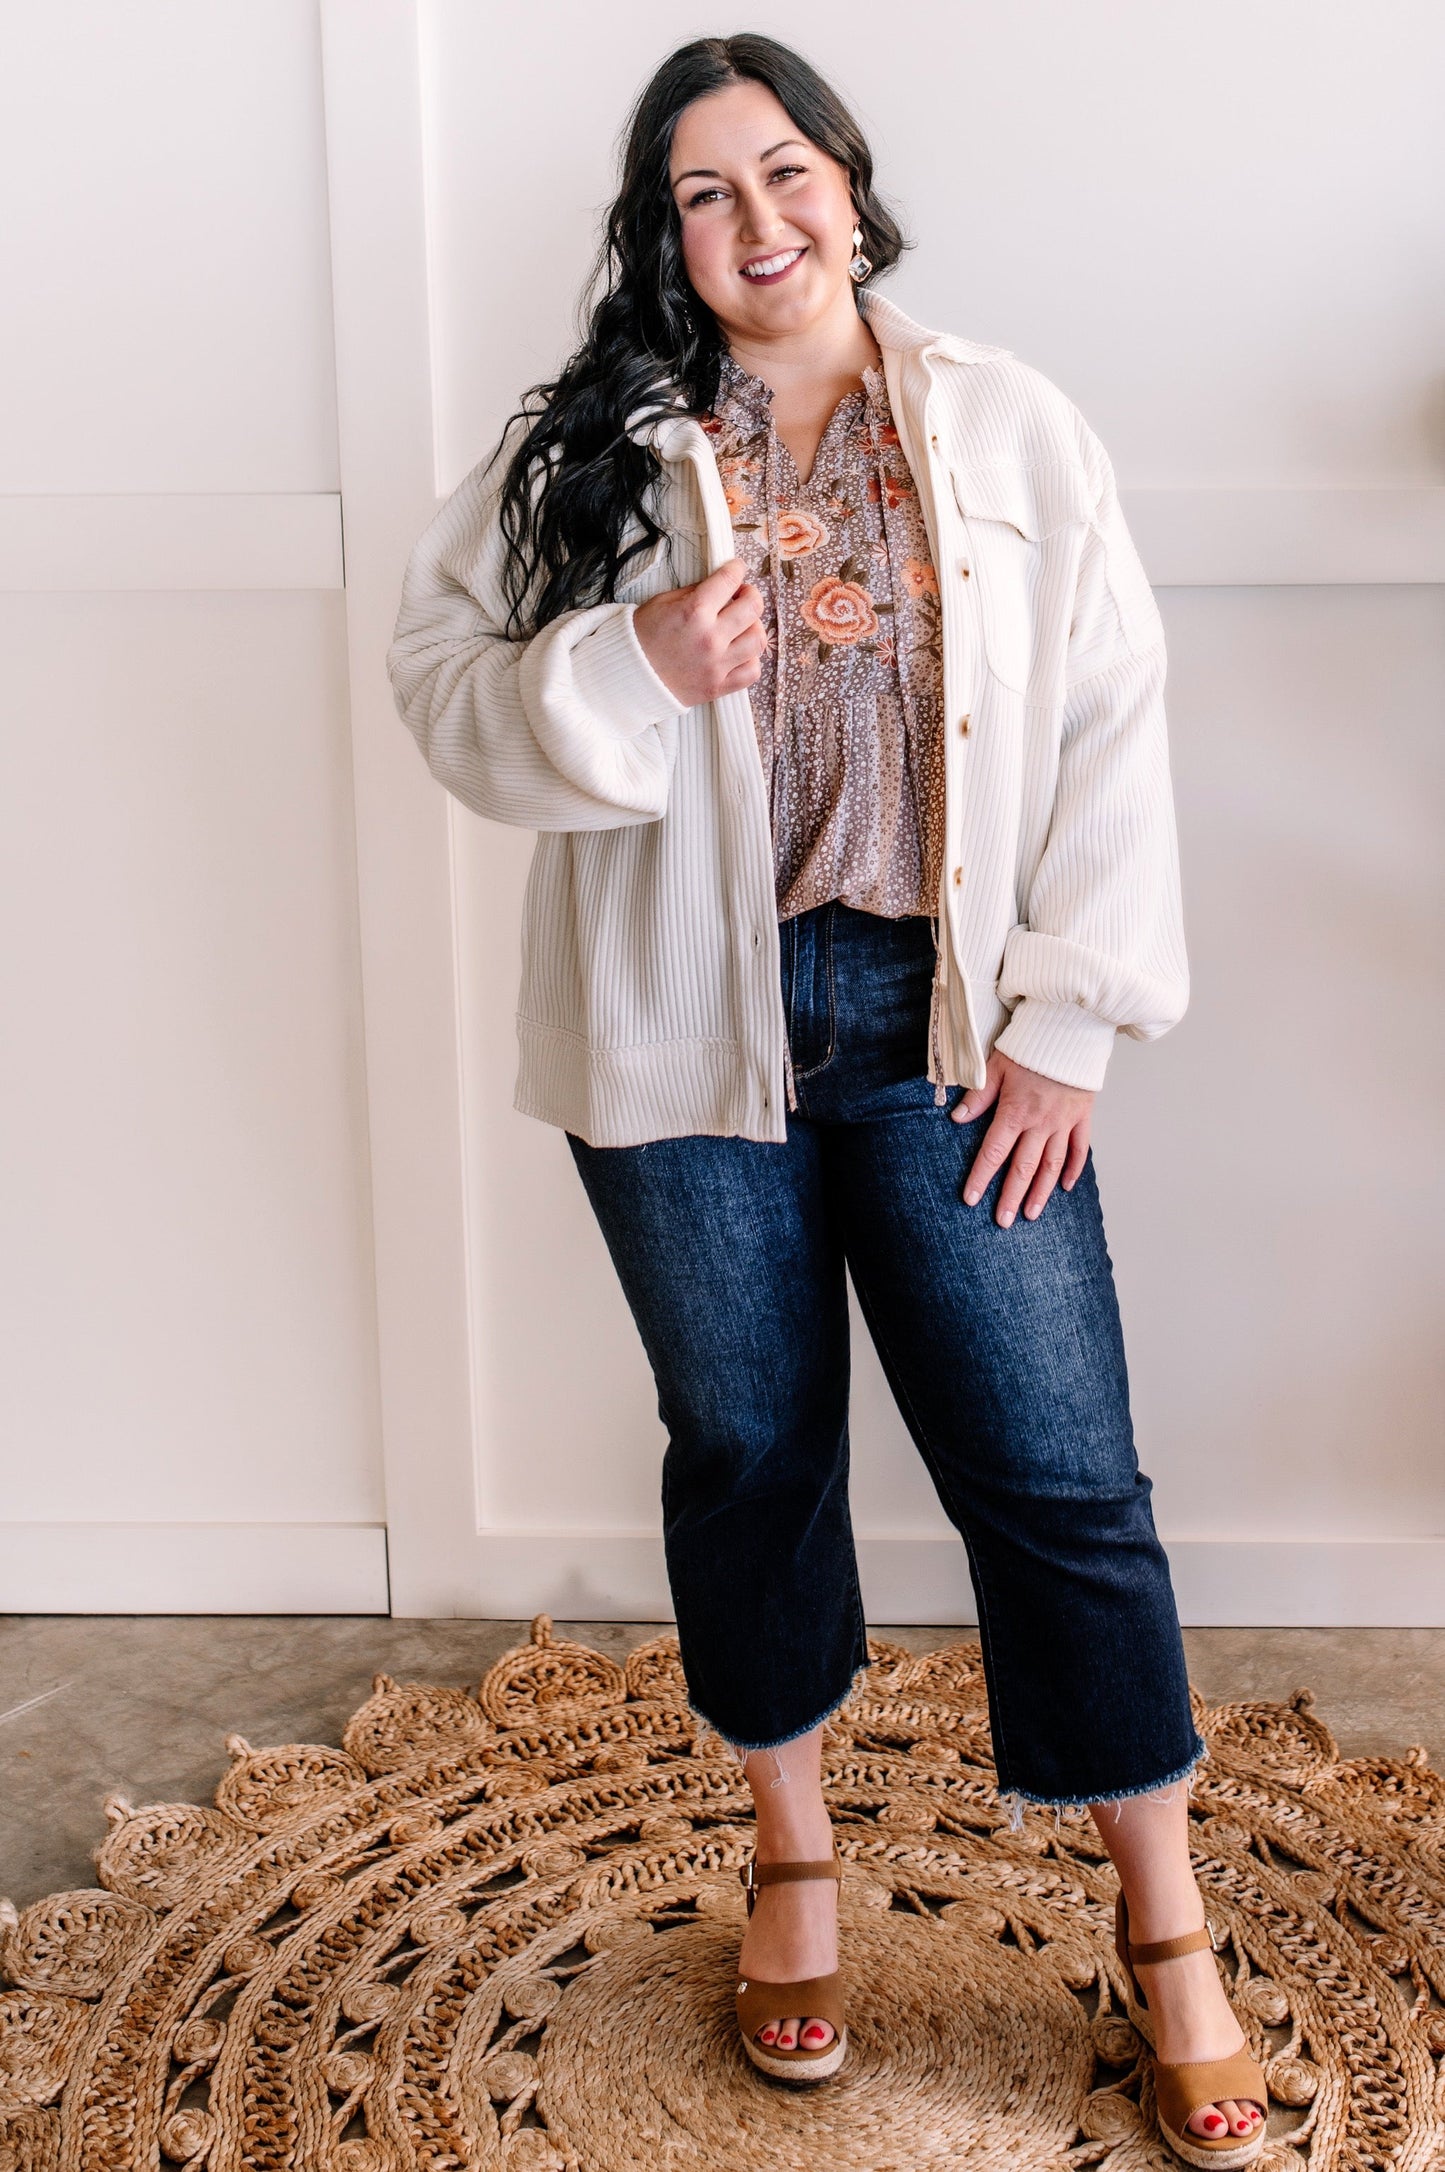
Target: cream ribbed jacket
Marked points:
651	1002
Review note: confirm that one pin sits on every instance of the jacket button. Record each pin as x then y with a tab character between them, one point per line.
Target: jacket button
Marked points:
933	441
964	571
958	874
963	725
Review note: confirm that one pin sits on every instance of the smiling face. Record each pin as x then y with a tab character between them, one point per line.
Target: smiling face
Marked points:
751	191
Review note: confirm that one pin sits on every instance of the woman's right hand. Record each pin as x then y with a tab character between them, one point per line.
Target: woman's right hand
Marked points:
706	639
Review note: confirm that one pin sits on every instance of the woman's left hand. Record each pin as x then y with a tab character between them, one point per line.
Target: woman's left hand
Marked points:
1042	1122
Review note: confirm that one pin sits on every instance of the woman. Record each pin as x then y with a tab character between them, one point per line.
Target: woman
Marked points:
815	648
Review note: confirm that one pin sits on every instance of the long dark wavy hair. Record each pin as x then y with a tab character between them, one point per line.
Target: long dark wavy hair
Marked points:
648	337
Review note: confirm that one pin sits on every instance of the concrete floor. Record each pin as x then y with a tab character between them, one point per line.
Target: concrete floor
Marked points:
139	1706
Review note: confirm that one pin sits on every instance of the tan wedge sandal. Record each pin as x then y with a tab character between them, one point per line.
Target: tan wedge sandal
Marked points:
1186	2086
814	1996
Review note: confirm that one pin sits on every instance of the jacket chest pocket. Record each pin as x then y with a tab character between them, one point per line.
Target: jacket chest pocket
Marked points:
1021	562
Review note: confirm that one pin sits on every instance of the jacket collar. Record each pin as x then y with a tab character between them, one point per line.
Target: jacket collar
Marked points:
893	327
672	436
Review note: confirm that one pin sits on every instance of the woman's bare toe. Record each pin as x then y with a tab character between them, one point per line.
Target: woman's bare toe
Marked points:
1213	2121
812	2035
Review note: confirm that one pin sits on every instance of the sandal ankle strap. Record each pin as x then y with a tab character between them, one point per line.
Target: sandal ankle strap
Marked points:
1162	1949
1172	1949
755	1874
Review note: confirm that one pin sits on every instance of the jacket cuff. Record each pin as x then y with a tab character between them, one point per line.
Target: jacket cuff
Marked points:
614	680
1061	1040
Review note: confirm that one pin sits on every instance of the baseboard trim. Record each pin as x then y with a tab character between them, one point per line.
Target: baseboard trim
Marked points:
301	1568
1219	1583
193	1568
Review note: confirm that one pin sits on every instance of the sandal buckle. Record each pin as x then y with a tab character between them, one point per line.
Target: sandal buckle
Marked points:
1214	1944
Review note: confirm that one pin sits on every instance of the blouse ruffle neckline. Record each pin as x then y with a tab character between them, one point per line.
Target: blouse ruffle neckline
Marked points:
744	402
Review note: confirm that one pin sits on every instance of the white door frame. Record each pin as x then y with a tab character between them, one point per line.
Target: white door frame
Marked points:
376	177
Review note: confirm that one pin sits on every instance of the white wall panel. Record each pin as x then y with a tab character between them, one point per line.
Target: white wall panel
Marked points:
188	1390
1281	1249
187	1305
163	171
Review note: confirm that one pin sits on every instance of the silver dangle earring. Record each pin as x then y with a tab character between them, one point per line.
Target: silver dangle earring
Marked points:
861	265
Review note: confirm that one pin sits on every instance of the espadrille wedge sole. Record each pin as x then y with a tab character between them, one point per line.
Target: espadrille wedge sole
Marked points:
1183	2087
820	1996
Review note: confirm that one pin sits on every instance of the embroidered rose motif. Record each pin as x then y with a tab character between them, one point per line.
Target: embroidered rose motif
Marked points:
839	611
920	577
799	533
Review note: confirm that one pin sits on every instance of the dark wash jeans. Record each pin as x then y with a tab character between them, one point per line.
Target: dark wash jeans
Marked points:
1003	1348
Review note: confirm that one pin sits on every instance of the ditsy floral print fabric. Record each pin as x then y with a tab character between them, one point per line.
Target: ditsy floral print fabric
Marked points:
849	703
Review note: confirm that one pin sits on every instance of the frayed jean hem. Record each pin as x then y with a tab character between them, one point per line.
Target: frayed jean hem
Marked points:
1013	1799
745	1749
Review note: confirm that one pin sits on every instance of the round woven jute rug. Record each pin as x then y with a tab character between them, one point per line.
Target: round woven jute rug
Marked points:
500	1930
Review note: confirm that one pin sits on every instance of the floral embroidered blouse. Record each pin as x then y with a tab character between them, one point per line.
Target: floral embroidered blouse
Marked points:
849	703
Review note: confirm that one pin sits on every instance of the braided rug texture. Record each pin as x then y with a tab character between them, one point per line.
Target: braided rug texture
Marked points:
500	1931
